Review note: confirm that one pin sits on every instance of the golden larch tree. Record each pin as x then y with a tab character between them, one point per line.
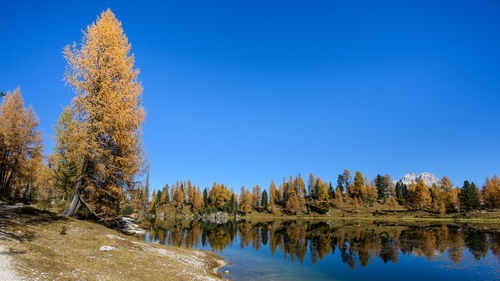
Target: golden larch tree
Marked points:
20	144
108	107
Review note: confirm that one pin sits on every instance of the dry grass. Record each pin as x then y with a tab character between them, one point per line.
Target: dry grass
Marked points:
48	247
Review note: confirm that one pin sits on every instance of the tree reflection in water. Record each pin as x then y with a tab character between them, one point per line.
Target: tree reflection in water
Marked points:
358	243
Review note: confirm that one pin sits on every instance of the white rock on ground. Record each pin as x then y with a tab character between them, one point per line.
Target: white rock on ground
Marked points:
7	271
107	248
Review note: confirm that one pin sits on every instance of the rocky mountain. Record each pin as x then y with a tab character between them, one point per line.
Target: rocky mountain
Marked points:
428	178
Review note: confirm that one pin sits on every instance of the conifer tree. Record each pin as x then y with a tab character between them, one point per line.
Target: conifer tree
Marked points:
197	201
245	201
20	144
153	201
273	195
108	107
164	195
323	198
382	187
179	196
491	192
205	197
469	197
292	202
340	183
256	196
264	200
358	186
419	196
346	175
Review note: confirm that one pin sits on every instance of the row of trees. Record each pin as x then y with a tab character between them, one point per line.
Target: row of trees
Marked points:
98	157
292	196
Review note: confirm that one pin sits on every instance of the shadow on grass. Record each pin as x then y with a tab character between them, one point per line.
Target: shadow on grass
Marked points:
15	218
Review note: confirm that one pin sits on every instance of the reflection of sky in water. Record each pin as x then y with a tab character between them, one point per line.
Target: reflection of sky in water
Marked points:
251	264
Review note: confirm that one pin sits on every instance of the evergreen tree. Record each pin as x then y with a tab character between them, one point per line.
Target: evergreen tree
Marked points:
331	192
381	185
264	202
205	197
401	193
232	204
340	183
469	199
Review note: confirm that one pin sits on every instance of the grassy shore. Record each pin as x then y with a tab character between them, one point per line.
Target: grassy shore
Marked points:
45	246
489	217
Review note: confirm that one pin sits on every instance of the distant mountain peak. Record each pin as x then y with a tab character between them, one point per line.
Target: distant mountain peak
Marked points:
428	178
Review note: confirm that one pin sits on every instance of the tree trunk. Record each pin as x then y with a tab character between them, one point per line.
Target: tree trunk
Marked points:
76	202
54	193
74	206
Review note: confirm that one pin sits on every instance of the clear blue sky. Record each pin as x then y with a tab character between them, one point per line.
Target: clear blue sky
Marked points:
243	93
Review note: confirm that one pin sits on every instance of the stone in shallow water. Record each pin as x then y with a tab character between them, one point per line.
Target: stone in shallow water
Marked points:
107	248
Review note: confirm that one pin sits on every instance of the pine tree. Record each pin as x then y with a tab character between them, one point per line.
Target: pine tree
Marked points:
264	202
340	183
67	160
108	107
382	187
469	197
205	197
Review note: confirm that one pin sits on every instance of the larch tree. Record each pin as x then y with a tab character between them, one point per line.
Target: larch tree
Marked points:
346	176
244	204
358	186
273	195
20	144
197	201
419	195
256	193
164	195
108	107
491	192
323	198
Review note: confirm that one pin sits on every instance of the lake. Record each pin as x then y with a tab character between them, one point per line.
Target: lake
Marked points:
334	250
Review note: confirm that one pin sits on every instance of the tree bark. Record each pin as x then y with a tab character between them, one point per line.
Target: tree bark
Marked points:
76	202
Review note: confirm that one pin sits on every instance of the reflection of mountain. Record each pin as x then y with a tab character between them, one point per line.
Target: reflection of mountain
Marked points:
428	178
357	244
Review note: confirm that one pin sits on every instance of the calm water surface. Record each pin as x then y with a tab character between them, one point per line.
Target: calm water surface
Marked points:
327	250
